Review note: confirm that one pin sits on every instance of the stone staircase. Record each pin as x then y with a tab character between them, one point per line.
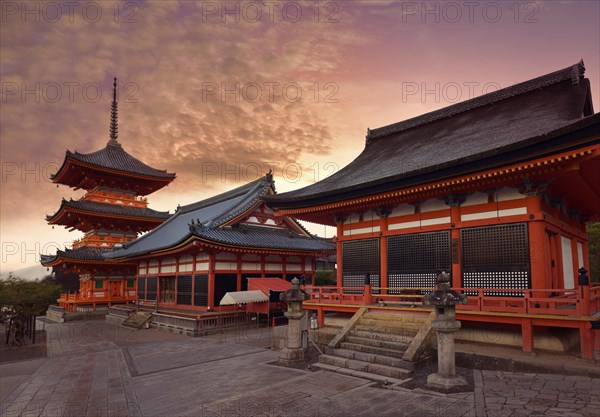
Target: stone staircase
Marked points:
373	346
137	319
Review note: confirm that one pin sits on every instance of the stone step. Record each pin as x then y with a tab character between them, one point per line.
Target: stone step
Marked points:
359	347
352	372
378	343
371	368
407	318
396	324
388	337
370	358
401	331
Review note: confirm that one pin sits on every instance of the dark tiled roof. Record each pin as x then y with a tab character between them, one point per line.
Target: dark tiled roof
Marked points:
457	139
205	220
572	73
263	237
114	157
111	209
83	253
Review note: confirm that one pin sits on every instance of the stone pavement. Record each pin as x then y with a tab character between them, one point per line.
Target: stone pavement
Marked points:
96	369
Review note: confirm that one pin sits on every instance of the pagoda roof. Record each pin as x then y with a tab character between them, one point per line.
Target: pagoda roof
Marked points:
114	159
92	207
213	221
84	254
513	124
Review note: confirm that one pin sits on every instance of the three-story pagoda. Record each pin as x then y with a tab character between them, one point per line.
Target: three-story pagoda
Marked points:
113	211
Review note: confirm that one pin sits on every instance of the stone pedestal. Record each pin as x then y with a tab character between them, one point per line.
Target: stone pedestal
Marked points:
444	299
293	351
446	376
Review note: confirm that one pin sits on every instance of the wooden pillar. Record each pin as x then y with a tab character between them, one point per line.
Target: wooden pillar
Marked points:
575	259
211	280
537	235
559	261
383	254
320	317
537	255
368	294
339	255
586	340
527	335
239	273
455	245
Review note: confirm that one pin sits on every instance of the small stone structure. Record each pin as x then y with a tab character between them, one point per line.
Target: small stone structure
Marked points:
293	352
445	324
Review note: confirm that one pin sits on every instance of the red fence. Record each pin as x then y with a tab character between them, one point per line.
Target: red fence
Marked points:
583	301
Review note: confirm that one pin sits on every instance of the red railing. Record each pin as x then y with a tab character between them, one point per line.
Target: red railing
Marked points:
96	297
583	301
594	298
335	295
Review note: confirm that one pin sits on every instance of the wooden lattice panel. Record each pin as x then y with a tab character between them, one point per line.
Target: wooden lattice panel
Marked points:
415	260
496	257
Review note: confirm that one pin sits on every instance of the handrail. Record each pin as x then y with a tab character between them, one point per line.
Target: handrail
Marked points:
583	301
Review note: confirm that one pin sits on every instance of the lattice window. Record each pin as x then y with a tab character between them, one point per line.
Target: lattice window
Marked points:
151	288
201	290
498	280
141	288
415	260
398	281
224	283
184	289
496	257
360	257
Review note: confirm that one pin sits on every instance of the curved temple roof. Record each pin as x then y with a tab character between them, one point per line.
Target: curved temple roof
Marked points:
109	209
458	139
82	254
113	157
207	220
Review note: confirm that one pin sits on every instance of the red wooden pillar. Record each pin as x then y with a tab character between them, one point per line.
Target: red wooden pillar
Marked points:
211	280
368	294
383	254
537	234
239	273
339	254
537	255
559	261
320	317
575	258
527	335
586	340
455	244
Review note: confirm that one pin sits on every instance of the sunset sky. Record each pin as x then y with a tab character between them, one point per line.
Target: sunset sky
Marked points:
310	77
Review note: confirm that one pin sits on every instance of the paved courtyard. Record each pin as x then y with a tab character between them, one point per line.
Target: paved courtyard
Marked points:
95	369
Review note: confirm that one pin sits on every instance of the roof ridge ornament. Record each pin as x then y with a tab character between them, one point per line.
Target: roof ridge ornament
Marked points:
114	118
369	137
577	72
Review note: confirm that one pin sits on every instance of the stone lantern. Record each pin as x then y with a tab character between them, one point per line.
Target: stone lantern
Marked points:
293	351
445	324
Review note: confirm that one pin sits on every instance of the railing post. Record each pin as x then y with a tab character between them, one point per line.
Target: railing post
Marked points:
368	292
584	287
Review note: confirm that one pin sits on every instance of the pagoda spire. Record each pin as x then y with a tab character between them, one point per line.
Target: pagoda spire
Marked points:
114	118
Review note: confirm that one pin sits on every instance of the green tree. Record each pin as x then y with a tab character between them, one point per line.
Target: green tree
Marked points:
593	230
325	277
20	299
